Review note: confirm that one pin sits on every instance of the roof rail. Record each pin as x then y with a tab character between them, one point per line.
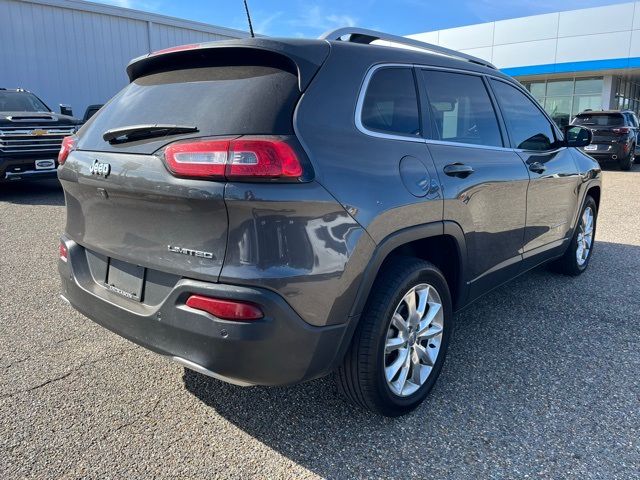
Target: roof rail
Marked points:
363	35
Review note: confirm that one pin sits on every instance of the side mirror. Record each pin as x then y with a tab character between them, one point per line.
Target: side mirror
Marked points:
576	136
66	110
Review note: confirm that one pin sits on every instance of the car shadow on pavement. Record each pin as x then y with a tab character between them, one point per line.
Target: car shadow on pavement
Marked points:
528	385
37	192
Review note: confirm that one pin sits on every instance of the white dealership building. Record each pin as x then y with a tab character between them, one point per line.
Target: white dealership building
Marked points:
570	61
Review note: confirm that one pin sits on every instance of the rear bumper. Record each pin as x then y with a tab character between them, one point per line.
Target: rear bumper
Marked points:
608	152
278	349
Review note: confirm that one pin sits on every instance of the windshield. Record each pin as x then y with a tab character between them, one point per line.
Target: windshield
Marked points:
602	119
20	102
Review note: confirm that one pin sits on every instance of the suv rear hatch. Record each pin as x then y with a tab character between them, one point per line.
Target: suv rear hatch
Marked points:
605	126
122	200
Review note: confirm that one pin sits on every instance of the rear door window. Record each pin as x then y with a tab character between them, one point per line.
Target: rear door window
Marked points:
461	109
391	103
220	100
528	128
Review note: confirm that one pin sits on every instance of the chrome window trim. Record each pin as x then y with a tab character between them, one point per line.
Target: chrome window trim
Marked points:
429	141
360	103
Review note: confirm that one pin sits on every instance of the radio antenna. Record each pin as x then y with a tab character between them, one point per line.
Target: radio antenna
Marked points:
246	8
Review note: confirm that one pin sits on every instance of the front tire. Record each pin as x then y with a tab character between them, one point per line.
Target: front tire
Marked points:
400	344
576	259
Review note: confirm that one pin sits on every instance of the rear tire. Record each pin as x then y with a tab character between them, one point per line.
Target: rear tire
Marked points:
576	259
625	163
383	341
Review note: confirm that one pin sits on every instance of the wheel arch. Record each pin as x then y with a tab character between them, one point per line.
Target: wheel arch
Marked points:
409	241
441	243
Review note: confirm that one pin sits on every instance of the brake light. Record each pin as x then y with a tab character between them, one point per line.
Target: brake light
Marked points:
225	309
177	48
621	130
241	159
63	252
68	146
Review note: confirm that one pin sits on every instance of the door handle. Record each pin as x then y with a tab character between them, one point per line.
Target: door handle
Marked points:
537	167
458	170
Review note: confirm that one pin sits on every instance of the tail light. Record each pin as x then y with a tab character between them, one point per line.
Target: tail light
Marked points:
245	158
68	146
621	130
225	309
63	252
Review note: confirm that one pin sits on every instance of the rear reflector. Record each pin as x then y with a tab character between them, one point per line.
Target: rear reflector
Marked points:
225	309
63	252
198	159
68	146
242	159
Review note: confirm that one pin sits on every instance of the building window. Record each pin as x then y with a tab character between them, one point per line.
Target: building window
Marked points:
627	94
564	98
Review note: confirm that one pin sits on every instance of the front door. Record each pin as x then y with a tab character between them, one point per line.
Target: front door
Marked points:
484	183
552	198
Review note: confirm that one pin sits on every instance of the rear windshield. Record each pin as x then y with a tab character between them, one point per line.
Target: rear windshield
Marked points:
600	119
221	100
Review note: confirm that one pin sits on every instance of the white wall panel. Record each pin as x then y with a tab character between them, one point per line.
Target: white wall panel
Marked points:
593	47
636	16
538	27
429	37
541	52
612	18
65	52
472	36
634	51
485	53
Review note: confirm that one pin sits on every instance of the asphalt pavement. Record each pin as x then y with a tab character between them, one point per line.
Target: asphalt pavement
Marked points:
542	380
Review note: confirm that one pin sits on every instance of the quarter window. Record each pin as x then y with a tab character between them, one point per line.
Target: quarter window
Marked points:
461	109
528	128
391	103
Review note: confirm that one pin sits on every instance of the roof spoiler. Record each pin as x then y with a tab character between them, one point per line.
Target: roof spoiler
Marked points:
303	57
362	35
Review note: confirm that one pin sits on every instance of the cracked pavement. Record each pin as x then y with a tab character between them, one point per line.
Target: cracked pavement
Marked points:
541	381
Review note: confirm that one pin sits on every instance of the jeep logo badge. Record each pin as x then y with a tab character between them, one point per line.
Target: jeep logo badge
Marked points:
99	168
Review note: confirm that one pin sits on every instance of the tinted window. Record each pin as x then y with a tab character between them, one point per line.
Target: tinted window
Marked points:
461	109
20	102
391	104
222	100
528	128
599	119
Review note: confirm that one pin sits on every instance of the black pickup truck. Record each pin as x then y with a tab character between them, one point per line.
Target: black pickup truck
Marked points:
30	136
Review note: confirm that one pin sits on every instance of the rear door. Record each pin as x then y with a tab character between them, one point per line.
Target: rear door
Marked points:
484	182
122	200
552	197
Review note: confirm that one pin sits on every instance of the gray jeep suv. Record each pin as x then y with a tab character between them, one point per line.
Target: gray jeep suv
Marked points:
268	211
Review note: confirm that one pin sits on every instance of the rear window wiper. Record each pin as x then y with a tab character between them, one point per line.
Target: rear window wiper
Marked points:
138	132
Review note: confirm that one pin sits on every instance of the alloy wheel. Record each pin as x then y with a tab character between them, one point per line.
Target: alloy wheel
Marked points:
585	236
413	340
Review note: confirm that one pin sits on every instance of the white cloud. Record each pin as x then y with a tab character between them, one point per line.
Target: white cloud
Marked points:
263	24
317	18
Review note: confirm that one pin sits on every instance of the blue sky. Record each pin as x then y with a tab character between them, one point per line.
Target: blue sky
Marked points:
300	18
